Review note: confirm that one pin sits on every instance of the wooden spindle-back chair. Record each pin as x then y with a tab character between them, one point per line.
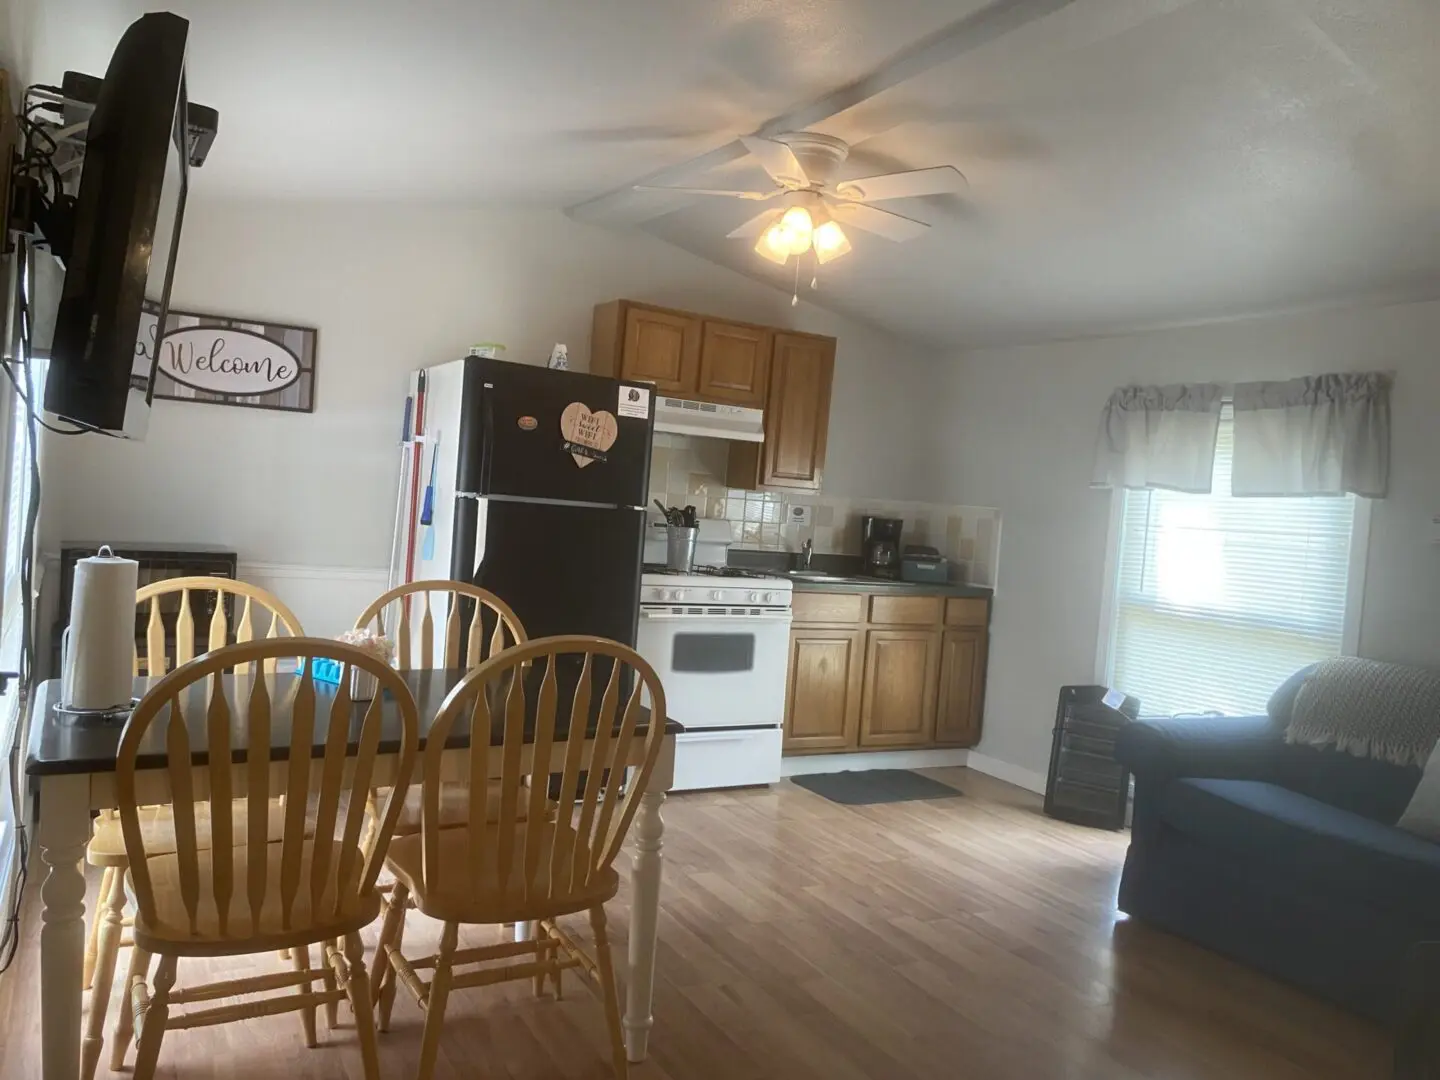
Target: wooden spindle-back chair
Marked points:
246	894
546	716
107	846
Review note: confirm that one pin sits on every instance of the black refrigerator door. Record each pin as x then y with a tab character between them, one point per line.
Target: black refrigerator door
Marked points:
565	569
534	433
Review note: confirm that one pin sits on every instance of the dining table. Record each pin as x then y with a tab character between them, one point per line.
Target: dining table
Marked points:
70	761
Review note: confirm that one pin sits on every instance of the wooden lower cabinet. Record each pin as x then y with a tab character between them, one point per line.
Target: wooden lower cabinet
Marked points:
897	705
822	700
882	672
962	685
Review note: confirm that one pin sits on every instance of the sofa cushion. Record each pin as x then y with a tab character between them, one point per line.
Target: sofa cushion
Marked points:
1374	789
1351	858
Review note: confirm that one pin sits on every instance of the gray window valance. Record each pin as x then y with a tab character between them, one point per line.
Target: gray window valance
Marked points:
1317	435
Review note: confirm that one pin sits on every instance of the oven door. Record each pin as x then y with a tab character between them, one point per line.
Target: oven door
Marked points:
722	667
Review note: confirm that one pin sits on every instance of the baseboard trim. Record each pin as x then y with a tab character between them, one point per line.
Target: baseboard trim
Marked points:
313	572
1011	774
809	764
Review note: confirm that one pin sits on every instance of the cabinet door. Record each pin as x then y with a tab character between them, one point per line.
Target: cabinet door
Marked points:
734	364
822	701
797	411
897	706
661	346
962	687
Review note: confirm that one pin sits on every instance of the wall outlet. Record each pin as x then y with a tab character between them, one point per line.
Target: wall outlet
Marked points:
797	514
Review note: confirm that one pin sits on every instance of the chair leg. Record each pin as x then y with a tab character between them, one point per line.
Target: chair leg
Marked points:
107	879
435	1002
327	979
301	957
125	1022
618	1061
152	1020
392	935
109	914
359	988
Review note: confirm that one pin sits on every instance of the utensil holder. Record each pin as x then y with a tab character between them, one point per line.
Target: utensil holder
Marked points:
680	547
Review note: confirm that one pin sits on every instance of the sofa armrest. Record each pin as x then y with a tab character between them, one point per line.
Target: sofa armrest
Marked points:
1222	747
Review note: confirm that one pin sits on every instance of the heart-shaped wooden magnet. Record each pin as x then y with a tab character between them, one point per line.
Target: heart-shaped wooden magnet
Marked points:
581	427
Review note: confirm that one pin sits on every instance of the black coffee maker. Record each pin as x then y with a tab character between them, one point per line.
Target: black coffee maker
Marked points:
880	543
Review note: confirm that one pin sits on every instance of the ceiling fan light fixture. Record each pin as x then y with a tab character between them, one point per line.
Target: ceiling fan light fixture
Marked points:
774	244
830	242
798	229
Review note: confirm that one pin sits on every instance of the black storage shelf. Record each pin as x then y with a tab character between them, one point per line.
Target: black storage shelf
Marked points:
1086	784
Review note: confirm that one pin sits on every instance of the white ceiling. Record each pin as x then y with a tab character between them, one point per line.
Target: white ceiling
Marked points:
1131	162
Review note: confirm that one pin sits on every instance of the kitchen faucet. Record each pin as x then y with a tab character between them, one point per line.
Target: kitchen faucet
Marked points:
807	549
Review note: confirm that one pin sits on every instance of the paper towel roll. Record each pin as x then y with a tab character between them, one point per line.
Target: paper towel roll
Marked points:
100	653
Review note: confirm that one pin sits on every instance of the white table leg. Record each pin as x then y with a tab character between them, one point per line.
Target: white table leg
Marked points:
64	832
644	923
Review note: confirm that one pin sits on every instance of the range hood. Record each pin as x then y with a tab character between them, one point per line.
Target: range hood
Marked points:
709	420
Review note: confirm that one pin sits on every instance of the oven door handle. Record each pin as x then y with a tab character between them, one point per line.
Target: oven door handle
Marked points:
739	620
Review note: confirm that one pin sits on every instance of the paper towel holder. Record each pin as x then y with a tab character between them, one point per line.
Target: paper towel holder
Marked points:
71	714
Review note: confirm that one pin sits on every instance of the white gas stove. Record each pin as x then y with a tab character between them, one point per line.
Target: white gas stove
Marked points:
719	638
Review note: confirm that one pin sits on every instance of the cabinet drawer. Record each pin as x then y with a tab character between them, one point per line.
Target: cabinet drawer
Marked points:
905	610
818	607
965	611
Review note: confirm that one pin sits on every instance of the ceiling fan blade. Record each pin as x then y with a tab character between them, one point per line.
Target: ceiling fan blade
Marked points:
753	196
941	180
778	160
756	225
880	222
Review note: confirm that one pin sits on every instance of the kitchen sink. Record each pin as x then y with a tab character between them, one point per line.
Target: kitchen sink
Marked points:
821	576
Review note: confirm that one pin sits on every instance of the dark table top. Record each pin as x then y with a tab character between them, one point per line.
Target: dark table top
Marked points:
69	746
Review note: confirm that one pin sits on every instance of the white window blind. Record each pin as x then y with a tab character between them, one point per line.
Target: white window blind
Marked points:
1220	599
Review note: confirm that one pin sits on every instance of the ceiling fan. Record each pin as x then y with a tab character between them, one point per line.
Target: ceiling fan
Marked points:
803	165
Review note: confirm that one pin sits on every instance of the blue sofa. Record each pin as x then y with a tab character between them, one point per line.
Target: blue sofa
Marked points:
1283	857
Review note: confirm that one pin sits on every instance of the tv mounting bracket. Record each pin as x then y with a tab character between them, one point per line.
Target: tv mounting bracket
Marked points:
38	197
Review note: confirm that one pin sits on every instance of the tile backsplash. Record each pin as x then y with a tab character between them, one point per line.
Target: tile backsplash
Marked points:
691	471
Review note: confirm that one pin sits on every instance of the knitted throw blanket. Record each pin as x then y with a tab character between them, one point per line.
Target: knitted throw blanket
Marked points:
1386	711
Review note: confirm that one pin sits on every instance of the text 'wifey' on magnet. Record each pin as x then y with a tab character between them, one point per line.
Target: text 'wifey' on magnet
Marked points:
588	435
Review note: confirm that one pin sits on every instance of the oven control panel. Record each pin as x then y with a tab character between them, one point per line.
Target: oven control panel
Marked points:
750	594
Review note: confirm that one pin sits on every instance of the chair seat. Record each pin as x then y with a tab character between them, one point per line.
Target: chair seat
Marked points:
452	897
171	932
157	823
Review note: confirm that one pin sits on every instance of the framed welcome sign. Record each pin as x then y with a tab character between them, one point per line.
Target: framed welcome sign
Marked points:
226	361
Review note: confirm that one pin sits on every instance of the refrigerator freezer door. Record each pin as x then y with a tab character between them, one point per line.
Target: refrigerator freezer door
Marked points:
564	569
559	435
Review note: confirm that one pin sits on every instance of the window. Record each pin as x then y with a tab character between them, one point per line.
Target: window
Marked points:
1219	600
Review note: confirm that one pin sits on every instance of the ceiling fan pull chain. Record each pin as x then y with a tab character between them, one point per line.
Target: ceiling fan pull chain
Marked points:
795	293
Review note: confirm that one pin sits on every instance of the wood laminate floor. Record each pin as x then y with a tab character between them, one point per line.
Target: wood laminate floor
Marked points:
961	938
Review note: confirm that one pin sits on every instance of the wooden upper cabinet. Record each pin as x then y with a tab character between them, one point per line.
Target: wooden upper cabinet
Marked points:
797	418
734	363
962	687
662	347
634	341
897	703
822	699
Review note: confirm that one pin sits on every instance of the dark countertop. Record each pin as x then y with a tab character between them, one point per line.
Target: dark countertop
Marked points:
85	746
883	587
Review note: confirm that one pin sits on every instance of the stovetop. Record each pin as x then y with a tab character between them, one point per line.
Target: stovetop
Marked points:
715	571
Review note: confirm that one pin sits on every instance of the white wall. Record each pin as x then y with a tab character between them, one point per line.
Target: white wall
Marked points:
393	287
1018	434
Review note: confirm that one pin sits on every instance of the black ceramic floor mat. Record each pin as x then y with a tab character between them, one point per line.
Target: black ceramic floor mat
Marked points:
875	786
